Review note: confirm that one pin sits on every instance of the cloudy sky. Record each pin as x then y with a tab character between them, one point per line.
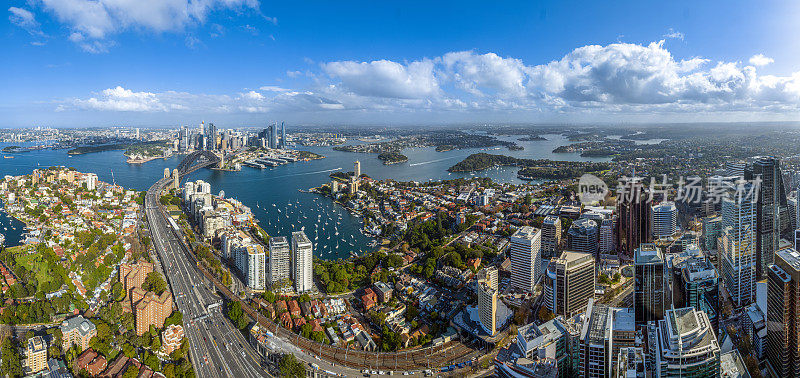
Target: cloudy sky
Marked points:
248	62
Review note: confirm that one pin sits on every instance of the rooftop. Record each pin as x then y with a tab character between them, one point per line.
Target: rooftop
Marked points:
648	253
525	232
732	365
80	323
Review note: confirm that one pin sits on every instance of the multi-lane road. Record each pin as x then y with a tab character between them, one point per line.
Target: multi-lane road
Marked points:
217	348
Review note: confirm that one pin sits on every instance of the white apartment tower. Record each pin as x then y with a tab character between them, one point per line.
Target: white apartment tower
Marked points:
256	267
525	258
302	261
280	257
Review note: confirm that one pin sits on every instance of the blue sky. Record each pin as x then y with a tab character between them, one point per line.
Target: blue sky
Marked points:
247	62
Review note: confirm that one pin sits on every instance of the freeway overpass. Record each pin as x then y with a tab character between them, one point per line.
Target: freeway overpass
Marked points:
217	349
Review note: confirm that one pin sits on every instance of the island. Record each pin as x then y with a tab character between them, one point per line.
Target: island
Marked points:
308	155
14	149
530	169
392	158
531	138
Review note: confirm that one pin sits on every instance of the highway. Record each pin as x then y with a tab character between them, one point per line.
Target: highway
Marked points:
216	347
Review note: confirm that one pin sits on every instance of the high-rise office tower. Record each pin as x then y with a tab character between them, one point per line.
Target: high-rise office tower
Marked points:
357	169
684	345
283	136
737	259
797	239
582	236
569	283
633	223
665	220
606	237
603	333
525	246
551	236
648	291
735	168
280	260
771	198
487	300
791	204
783	315
302	262
712	227
694	282
202	128
212	137
273	135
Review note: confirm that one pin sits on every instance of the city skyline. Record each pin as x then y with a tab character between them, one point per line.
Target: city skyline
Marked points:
242	62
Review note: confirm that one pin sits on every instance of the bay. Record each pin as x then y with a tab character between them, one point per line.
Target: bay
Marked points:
266	191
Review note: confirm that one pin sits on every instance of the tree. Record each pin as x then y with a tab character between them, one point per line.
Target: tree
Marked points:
290	367
176	318
237	315
545	315
155	283
132	372
11	364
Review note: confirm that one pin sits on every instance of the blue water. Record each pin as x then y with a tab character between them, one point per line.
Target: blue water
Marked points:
320	218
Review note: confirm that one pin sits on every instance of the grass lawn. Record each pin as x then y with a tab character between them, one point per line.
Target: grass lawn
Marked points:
36	264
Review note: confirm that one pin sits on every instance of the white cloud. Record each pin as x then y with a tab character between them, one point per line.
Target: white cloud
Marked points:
760	60
97	20
674	34
273	88
618	78
25	19
471	72
121	99
193	42
384	78
22	18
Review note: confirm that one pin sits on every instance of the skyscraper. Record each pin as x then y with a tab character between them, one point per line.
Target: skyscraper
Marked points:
487	299
783	315
606	237
357	169
684	345
256	266
582	236
283	136
695	282
771	198
551	236
302	261
273	135
280	257
569	283
665	220
738	248
525	258
604	332
211	138
633	224
648	291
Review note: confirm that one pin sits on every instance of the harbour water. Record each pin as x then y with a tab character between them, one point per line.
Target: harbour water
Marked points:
273	194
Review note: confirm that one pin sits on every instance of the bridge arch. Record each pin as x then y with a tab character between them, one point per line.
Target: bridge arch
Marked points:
197	160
